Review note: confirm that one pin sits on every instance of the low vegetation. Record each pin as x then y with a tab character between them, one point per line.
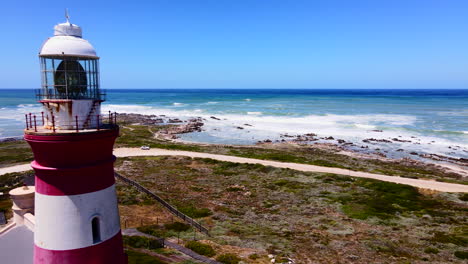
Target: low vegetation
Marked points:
228	258
310	217
201	248
141	242
15	152
135	257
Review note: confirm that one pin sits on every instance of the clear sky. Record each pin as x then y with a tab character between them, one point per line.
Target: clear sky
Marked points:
249	43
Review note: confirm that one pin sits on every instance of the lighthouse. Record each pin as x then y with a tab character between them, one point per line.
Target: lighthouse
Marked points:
76	212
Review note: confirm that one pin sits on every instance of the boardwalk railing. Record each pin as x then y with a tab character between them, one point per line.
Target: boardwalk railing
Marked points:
165	204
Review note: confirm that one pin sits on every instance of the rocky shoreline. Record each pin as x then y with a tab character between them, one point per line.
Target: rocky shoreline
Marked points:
173	127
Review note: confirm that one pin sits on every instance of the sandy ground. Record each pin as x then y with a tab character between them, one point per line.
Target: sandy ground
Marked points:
16	168
129	152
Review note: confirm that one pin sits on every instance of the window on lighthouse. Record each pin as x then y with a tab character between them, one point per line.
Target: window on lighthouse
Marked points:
70	78
96	230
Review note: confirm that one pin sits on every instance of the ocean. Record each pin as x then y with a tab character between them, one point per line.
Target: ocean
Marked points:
432	121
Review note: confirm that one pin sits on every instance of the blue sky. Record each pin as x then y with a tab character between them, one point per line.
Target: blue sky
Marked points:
250	43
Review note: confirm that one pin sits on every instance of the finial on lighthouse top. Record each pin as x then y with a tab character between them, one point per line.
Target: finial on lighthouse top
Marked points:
67	28
67	16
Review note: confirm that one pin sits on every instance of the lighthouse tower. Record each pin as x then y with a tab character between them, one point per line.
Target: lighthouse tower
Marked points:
76	213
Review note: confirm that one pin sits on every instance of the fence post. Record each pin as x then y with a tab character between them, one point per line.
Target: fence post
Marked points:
35	127
110	118
42	113
115	118
53	123
30	120
97	118
27	124
76	123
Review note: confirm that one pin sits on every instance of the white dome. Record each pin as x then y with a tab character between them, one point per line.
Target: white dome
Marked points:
67	41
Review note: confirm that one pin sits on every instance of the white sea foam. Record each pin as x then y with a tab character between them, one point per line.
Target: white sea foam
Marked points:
19	111
178	104
353	128
247	99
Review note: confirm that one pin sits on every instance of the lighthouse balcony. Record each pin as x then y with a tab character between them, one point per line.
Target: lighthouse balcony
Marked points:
60	93
47	123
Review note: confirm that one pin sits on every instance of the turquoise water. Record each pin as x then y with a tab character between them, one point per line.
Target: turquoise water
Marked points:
436	121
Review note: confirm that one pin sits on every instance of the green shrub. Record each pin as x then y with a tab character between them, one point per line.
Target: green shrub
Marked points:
254	256
153	230
464	197
445	238
384	200
141	242
431	250
141	258
177	226
228	258
234	189
194	212
461	254
200	248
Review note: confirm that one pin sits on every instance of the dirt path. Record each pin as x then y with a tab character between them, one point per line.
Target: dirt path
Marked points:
130	152
16	168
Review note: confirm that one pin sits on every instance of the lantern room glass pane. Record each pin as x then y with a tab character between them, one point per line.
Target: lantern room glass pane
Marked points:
69	78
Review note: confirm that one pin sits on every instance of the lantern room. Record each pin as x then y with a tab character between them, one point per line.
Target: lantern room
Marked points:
70	92
69	65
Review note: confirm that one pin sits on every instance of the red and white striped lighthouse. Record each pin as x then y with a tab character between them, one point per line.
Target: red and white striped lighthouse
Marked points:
76	213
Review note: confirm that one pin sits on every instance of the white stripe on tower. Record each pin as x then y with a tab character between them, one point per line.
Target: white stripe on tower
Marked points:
58	231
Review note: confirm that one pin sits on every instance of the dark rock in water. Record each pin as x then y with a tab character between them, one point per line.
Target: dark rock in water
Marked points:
413	153
310	134
175	120
215	118
329	138
376	130
369	140
239	127
400	140
267	141
399	150
139	119
247	125
341	141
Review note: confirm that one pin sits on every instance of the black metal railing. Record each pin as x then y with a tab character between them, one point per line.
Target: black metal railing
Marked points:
40	121
169	207
42	94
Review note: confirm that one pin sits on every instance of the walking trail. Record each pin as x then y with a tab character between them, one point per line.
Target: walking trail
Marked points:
131	152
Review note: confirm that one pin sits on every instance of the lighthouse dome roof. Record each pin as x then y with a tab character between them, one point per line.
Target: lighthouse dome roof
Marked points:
67	41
